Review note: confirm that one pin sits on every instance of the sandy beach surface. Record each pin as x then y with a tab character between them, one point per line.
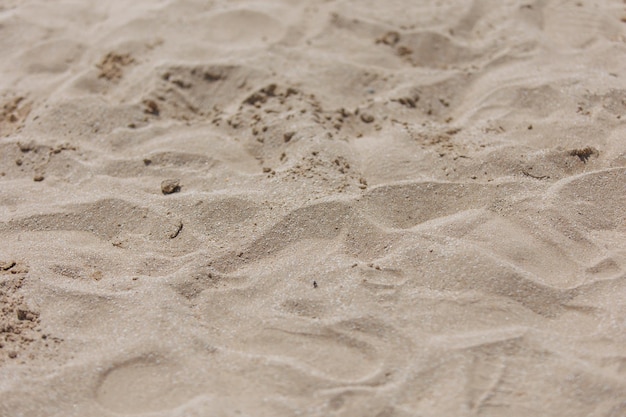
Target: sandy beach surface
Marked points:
314	208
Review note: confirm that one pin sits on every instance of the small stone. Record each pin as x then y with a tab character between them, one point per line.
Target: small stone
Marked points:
26	315
390	38
367	118
177	230
267	169
151	107
13	355
38	178
287	136
170	186
26	146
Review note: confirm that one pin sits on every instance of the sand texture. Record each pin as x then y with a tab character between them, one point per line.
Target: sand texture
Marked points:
315	208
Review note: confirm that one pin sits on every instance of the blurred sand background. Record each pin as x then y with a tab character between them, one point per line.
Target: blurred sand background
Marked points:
316	208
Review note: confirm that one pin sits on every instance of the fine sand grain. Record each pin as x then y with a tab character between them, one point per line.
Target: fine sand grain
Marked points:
316	208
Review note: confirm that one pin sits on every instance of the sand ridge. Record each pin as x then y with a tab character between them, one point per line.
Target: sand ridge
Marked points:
313	208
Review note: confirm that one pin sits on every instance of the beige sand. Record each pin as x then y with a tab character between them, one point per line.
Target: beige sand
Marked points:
374	208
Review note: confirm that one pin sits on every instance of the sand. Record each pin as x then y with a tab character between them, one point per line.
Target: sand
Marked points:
317	208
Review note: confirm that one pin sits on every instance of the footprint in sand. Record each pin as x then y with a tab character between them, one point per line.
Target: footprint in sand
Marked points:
144	386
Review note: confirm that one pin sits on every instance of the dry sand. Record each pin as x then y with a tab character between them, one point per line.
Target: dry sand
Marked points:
320	208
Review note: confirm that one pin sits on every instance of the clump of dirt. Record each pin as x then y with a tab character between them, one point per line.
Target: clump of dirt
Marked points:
32	158
13	112
19	324
112	65
585	153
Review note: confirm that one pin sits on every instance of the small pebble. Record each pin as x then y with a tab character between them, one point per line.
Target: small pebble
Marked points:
287	136
38	178
151	107
25	315
367	118
170	186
